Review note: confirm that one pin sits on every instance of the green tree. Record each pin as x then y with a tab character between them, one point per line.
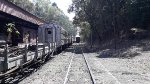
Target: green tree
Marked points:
47	11
111	18
25	4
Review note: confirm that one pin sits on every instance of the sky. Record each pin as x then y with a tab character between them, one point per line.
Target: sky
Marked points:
64	5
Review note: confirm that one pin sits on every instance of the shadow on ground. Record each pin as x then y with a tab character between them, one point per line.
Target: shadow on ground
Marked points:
122	49
78	50
70	49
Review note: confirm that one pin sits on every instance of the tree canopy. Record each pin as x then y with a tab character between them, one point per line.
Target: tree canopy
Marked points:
111	18
47	11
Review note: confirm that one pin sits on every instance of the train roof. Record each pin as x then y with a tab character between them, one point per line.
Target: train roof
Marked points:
54	25
50	25
77	36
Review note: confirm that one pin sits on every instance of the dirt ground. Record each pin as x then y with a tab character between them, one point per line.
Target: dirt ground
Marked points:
120	71
128	64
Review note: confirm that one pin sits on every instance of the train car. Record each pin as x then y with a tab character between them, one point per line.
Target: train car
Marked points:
37	41
78	35
77	39
49	33
64	37
51	38
46	33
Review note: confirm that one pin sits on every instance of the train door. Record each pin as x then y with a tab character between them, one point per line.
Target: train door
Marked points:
48	35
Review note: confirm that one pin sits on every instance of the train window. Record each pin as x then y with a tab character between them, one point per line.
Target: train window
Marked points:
49	32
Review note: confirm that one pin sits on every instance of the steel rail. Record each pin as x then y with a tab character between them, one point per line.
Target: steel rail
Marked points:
69	67
87	64
89	69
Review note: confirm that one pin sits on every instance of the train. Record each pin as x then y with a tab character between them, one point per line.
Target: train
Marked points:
77	39
51	38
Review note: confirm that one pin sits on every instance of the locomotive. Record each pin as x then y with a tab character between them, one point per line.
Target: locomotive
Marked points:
51	38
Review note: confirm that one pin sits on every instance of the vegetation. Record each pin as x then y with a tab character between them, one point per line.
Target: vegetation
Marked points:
47	11
111	19
11	29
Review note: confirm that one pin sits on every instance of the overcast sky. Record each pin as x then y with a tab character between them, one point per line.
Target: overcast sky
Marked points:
63	5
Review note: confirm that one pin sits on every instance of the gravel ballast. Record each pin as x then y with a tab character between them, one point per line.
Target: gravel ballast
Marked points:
120	71
52	72
79	72
110	70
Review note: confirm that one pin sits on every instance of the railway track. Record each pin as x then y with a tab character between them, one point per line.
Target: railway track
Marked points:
21	74
79	50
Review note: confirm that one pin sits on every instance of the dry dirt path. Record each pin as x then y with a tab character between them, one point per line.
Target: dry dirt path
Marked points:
120	71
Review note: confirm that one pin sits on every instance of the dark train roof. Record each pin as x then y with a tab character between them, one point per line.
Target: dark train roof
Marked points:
12	9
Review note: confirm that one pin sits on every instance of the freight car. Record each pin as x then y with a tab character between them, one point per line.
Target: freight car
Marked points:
50	38
53	33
